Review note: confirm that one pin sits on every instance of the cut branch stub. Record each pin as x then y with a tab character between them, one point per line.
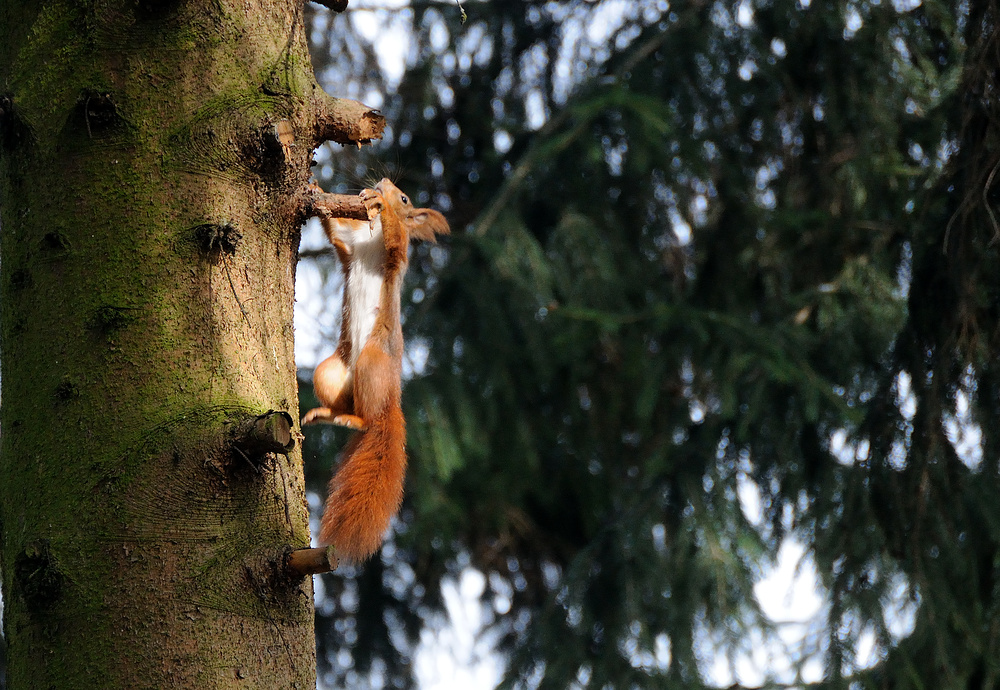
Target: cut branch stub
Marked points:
37	574
98	112
338	206
311	201
281	136
13	131
217	237
314	561
270	432
346	122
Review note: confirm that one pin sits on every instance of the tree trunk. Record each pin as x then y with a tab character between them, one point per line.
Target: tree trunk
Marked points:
154	160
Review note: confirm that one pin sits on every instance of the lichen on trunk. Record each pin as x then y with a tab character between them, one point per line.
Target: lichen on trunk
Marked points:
154	160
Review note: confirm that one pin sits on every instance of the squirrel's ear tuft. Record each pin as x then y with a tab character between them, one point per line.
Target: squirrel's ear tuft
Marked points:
424	223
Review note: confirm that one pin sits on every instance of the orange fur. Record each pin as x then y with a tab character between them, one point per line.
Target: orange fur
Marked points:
363	391
367	489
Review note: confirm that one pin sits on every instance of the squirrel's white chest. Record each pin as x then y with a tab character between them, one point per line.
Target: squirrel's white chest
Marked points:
364	284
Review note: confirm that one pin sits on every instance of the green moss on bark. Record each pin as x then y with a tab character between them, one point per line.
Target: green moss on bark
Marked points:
129	350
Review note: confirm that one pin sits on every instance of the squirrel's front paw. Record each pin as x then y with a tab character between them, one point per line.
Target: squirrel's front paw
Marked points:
373	201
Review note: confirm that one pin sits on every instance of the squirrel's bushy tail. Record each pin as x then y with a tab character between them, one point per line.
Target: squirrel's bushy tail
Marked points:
367	489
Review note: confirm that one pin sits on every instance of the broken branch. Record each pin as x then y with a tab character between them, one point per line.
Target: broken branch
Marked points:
346	122
312	561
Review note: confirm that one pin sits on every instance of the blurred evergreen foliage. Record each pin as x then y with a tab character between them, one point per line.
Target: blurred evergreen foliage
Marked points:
702	249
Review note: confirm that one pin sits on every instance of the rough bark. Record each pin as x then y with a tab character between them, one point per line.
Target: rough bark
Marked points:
154	160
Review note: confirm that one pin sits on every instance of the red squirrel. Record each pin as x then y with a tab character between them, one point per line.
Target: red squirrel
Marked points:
359	385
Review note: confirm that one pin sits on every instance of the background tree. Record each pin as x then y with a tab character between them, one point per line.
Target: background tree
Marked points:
713	250
154	158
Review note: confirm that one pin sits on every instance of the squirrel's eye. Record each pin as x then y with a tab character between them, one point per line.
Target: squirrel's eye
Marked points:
405	199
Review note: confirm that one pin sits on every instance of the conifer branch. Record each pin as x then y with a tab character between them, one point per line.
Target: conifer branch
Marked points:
546	141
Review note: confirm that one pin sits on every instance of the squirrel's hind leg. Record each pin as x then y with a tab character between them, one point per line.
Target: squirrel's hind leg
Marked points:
333	384
351	421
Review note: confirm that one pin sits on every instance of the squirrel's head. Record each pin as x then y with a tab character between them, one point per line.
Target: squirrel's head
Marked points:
420	223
